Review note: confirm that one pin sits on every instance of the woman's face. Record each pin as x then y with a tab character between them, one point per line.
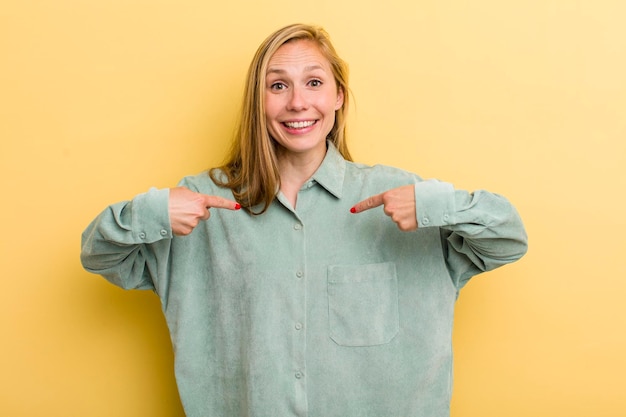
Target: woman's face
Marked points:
301	97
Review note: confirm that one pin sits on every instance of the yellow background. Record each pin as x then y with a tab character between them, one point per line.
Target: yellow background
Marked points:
100	100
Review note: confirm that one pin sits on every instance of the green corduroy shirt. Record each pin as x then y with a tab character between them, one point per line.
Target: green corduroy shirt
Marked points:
311	311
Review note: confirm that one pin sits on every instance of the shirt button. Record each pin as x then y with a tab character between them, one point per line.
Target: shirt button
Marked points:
425	220
163	232
299	375
297	226
142	235
299	274
298	326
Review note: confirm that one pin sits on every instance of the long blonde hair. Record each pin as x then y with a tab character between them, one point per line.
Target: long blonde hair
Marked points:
251	169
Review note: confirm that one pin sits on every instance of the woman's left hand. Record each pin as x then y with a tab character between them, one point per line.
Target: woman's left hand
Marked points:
398	203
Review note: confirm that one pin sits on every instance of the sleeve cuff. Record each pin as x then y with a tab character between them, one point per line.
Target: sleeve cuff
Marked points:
434	203
151	220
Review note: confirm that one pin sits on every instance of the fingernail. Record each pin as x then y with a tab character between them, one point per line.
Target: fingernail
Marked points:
237	206
352	210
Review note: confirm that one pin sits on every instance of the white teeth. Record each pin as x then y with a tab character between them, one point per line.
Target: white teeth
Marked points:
299	125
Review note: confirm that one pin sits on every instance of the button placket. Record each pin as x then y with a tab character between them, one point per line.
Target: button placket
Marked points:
299	317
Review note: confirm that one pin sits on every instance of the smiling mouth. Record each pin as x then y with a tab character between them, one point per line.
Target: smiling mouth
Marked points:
299	125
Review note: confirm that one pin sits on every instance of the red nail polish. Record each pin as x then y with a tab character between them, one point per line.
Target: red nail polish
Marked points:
237	206
352	210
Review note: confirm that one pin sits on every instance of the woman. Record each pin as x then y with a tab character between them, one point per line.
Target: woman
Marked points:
309	301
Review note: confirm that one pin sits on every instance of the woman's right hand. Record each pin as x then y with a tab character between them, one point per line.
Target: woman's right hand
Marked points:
187	208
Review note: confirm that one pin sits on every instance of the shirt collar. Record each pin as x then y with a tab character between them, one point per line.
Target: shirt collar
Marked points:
331	172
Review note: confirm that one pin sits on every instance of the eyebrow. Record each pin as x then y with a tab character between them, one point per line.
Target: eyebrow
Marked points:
306	69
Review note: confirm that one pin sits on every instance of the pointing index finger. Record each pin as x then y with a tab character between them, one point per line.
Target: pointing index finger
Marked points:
213	201
368	203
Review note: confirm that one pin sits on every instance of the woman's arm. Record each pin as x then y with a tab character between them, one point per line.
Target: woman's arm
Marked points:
128	240
480	230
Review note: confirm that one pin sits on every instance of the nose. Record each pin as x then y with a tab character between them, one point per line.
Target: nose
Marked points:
297	100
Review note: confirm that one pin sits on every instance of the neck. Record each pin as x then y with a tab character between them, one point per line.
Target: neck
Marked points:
295	170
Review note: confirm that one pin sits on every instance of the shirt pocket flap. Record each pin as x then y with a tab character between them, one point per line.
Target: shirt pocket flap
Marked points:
363	304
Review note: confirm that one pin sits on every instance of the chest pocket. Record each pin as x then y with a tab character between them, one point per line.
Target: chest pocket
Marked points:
363	304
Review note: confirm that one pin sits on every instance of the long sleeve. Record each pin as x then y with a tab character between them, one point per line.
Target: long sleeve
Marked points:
128	243
480	231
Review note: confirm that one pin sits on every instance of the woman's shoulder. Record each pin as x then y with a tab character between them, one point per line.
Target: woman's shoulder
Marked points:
202	182
380	171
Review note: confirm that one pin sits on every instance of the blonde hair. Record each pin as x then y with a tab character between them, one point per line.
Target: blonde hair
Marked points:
251	169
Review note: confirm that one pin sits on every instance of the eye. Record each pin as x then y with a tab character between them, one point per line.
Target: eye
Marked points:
278	86
315	83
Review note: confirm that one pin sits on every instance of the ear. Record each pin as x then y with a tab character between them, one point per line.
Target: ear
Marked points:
339	98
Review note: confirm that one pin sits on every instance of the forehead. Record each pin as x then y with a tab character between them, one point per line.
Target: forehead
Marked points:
305	53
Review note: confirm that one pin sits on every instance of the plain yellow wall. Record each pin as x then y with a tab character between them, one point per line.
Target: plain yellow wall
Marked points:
100	100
